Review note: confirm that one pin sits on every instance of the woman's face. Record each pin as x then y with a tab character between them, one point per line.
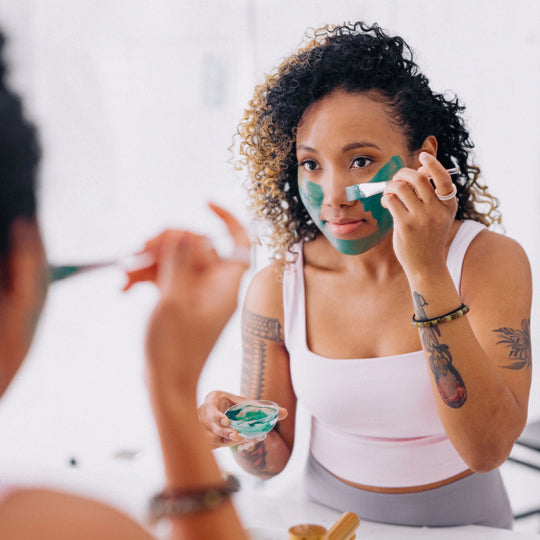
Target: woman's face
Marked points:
345	139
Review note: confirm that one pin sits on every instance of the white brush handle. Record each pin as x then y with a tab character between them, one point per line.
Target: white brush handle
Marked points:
363	191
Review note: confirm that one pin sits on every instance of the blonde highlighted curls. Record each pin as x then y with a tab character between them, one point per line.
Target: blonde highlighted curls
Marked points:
355	58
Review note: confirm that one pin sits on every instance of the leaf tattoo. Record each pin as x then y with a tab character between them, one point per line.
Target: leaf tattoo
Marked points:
519	342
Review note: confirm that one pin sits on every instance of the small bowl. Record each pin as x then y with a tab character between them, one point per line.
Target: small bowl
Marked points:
253	419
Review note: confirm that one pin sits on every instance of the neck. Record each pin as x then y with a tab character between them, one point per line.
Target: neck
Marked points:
379	262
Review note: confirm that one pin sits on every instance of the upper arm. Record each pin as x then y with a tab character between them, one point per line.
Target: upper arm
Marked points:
497	286
265	367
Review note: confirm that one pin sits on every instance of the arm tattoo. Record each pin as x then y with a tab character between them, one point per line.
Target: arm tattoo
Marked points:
519	343
254	459
256	329
448	380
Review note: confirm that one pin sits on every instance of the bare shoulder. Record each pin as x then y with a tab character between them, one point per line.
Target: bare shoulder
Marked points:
57	515
491	248
498	261
264	294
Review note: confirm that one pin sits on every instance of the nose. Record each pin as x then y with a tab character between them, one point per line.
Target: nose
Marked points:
334	189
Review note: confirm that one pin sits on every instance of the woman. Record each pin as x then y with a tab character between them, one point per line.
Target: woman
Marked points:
409	421
198	292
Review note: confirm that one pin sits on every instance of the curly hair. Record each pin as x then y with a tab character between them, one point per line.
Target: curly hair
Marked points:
19	158
356	58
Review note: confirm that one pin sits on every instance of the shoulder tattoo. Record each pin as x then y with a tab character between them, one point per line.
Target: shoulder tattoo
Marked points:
518	341
448	380
256	331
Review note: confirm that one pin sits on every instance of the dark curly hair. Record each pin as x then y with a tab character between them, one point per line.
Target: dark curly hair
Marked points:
355	58
19	158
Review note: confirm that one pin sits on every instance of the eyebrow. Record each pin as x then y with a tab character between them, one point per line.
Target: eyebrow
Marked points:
346	148
307	148
360	144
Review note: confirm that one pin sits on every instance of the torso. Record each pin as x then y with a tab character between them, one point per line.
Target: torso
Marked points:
333	294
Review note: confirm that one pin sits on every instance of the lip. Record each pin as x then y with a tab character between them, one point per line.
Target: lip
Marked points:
344	227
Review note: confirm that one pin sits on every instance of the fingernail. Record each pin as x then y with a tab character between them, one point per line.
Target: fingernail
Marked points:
224	422
423	156
207	244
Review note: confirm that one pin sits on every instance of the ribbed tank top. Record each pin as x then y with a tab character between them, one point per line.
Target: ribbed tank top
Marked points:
373	420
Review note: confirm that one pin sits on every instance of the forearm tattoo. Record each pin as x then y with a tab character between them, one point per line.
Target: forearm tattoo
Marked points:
448	380
254	459
518	340
256	331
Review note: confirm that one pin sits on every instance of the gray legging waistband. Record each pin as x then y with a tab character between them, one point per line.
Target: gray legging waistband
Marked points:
478	499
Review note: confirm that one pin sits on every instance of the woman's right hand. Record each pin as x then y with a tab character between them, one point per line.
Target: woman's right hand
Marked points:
213	419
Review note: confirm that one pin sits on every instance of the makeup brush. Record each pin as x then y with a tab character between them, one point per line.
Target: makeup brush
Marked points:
363	191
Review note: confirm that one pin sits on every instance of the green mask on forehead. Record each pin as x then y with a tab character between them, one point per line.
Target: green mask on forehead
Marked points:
312	198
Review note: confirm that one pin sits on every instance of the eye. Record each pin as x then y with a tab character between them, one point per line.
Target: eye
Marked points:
361	162
309	165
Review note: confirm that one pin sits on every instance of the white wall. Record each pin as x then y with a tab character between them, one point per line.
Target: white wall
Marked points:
137	102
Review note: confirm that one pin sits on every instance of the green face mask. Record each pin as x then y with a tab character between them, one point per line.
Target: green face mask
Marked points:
312	197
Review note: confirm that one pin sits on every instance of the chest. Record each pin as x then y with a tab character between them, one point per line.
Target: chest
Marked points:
354	319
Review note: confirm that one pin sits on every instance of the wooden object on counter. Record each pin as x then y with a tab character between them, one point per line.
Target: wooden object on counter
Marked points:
307	531
345	527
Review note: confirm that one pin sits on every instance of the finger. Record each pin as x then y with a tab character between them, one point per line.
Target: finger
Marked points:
219	442
226	443
177	251
393	204
228	436
147	273
221	401
155	243
237	232
405	192
420	183
153	249
203	252
218	425
177	264
282	414
432	168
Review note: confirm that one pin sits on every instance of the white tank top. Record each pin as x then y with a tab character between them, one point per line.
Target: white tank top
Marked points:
373	420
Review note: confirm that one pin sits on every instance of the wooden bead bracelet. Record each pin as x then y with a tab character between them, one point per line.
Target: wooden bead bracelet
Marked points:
456	313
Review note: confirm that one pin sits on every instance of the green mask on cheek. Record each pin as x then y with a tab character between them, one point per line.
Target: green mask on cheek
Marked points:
312	198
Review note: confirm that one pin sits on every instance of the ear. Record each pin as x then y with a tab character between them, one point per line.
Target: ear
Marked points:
430	145
21	297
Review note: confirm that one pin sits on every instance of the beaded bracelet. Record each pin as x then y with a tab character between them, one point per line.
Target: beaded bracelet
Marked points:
173	502
456	313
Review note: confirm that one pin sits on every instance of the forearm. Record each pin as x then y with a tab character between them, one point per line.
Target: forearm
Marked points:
477	407
485	419
265	458
190	466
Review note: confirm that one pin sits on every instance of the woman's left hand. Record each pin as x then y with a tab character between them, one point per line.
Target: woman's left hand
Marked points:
422	221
